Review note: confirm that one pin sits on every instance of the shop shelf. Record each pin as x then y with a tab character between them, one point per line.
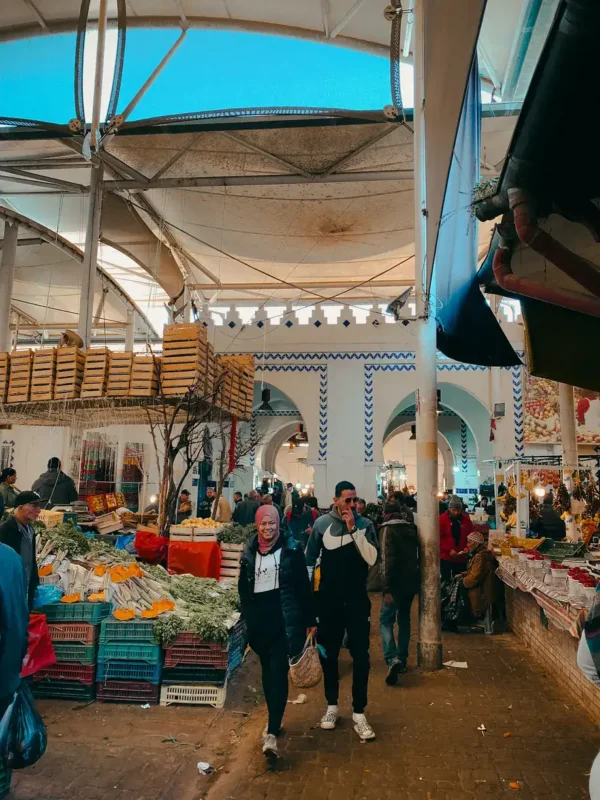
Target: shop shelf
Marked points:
129	671
76	612
130	651
192	694
194	674
127	692
75	652
5	778
65	690
74	632
67	672
112	630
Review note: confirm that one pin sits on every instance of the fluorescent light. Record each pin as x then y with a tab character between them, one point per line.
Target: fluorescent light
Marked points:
539	491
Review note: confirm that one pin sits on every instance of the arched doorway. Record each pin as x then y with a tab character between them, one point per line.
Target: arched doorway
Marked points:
401	446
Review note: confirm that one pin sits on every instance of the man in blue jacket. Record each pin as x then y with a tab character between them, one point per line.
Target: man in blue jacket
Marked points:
346	543
14	618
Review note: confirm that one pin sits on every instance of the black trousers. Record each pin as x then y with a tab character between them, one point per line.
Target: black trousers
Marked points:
335	618
448	569
275	666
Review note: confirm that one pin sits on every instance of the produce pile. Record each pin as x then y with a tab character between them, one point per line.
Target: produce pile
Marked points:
196	522
202	605
236	534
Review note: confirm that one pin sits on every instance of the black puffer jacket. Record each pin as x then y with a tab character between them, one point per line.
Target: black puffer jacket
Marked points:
55	488
295	592
399	557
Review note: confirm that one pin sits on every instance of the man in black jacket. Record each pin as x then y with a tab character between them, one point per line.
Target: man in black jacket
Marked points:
400	569
54	487
245	512
18	532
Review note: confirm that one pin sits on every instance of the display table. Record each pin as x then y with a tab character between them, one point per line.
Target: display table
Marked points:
543	619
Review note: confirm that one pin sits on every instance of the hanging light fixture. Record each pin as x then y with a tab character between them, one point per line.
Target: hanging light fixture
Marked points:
265	397
440	408
413	432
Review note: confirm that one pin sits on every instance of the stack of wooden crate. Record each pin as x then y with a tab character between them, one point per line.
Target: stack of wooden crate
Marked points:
237	383
144	376
19	382
70	365
185	359
4	372
119	374
44	374
95	375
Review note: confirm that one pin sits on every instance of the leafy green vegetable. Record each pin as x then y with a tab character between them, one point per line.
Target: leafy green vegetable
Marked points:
67	538
236	534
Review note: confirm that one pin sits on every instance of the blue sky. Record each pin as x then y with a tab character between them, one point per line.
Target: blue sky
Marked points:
211	70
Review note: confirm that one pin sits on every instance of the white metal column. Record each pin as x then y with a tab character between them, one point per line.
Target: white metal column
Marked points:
90	257
430	636
7	276
567	427
130	330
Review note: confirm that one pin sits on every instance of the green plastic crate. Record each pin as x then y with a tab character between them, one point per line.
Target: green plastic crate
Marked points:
76	612
5	778
74	652
130	651
129	632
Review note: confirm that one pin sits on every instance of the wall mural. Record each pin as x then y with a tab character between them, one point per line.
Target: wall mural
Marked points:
542	417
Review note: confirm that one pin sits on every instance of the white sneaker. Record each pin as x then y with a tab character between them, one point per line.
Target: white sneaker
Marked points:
270	746
330	718
362	727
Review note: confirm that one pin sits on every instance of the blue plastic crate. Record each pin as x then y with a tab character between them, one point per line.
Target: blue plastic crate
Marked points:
130	651
112	630
76	612
128	671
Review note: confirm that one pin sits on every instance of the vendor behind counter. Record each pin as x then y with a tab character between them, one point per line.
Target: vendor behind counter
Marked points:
54	487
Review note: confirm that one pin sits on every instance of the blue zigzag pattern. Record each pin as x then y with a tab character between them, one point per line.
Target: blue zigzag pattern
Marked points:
323	391
518	411
281	412
369	402
463	447
409	355
253	435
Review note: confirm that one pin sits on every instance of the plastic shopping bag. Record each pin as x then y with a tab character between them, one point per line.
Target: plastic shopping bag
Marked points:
40	652
22	732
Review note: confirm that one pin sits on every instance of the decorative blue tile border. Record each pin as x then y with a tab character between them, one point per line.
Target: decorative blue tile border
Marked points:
369	401
518	410
253	434
463	447
406	355
279	412
323	391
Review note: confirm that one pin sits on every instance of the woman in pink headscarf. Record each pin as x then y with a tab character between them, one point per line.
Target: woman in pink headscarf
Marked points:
276	599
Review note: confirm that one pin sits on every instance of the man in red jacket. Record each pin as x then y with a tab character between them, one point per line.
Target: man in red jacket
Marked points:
455	526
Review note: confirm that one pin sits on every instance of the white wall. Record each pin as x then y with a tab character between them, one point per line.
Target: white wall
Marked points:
404	449
291	466
33	447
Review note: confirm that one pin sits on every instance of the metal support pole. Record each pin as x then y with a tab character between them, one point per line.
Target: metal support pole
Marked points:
90	257
187	304
97	100
7	276
568	432
430	635
130	330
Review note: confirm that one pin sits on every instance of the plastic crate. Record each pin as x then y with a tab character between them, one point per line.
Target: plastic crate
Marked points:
65	690
130	651
201	654
67	672
128	671
50	580
112	630
194	674
5	779
79	632
76	612
193	694
75	652
127	692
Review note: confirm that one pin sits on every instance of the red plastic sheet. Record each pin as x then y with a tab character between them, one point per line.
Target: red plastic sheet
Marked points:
202	559
151	547
40	652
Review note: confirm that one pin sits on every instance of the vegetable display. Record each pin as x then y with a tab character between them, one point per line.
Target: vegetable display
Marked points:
236	534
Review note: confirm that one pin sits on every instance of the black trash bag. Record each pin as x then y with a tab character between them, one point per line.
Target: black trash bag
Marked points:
454	601
22	732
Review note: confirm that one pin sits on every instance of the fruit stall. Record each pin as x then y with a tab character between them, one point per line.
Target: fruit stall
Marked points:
131	632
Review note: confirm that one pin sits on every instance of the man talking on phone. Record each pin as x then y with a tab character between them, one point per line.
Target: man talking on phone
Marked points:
347	546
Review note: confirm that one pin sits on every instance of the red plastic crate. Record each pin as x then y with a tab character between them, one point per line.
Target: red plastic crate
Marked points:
74	632
188	639
68	672
203	654
127	692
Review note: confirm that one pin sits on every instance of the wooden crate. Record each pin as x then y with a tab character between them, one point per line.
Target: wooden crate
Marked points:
230	561
19	381
144	376
70	365
95	375
4	373
185	359
184	331
43	374
119	374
